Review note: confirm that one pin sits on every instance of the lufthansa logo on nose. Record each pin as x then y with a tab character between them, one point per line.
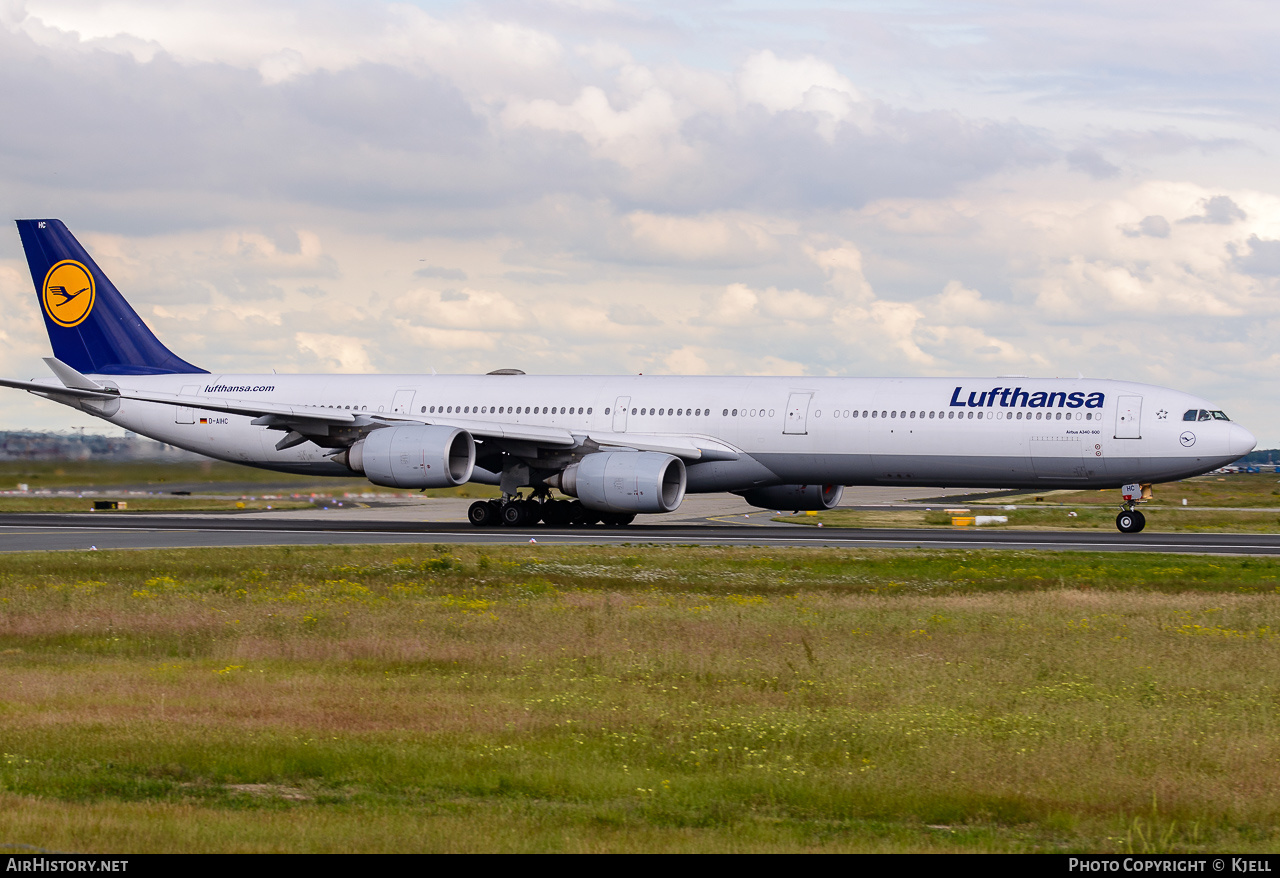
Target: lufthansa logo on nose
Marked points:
68	293
1187	439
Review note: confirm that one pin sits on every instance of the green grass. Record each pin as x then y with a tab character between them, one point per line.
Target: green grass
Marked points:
19	504
162	477
1210	501
1247	490
1159	520
638	698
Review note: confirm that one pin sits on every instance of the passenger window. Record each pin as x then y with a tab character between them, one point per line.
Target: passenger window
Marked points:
725	414
735	413
979	416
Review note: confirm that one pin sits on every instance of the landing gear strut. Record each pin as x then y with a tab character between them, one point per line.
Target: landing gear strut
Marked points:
1130	520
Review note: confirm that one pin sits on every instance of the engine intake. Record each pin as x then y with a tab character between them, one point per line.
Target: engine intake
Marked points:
413	457
625	481
795	498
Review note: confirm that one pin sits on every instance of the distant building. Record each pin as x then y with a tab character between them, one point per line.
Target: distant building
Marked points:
33	445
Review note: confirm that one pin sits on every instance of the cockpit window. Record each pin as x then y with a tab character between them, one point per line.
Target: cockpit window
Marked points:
1202	415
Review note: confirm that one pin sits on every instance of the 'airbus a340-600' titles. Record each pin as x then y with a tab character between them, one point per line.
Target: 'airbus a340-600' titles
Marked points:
620	445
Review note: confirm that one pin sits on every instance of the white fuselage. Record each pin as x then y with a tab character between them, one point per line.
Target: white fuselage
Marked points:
1009	432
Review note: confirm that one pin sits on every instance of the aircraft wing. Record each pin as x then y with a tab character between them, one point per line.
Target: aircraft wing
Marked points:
339	427
687	447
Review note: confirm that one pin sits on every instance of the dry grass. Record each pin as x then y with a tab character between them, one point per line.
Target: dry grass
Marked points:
397	698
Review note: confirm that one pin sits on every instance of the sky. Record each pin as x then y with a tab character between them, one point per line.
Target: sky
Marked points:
736	187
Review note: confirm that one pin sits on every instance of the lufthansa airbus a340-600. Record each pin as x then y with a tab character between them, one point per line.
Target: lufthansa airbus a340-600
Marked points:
620	445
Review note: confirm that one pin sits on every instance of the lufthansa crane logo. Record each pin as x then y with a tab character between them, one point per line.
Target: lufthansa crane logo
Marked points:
68	293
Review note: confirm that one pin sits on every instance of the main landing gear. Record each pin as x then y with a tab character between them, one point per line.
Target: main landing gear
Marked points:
515	512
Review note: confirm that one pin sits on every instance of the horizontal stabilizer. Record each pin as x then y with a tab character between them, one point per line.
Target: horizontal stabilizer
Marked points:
70	377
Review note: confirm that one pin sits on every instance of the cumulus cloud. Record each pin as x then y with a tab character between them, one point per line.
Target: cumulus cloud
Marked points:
596	187
1262	258
1219	210
336	352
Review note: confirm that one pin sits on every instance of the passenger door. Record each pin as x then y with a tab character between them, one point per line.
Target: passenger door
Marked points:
620	414
183	414
797	419
1129	417
403	401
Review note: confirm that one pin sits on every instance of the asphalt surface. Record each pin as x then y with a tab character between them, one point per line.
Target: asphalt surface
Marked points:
20	533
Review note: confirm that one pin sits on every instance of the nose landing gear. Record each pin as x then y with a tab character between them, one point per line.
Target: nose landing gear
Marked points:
1130	520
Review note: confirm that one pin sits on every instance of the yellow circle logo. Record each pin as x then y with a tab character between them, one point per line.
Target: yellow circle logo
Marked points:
68	293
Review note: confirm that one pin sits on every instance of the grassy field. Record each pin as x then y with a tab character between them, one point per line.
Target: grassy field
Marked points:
206	477
1247	490
155	503
1236	503
1162	520
638	698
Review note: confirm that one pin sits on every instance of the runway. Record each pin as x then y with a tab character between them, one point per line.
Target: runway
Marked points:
23	533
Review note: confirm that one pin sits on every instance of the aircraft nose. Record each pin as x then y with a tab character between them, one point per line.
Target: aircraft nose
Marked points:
1241	441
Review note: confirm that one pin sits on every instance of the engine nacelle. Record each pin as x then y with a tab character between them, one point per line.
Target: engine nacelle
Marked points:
626	481
795	498
413	457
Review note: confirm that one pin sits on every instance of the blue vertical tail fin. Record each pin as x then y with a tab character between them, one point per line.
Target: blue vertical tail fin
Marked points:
91	327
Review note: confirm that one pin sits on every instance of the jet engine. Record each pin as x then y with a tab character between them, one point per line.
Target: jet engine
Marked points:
624	481
795	498
413	457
